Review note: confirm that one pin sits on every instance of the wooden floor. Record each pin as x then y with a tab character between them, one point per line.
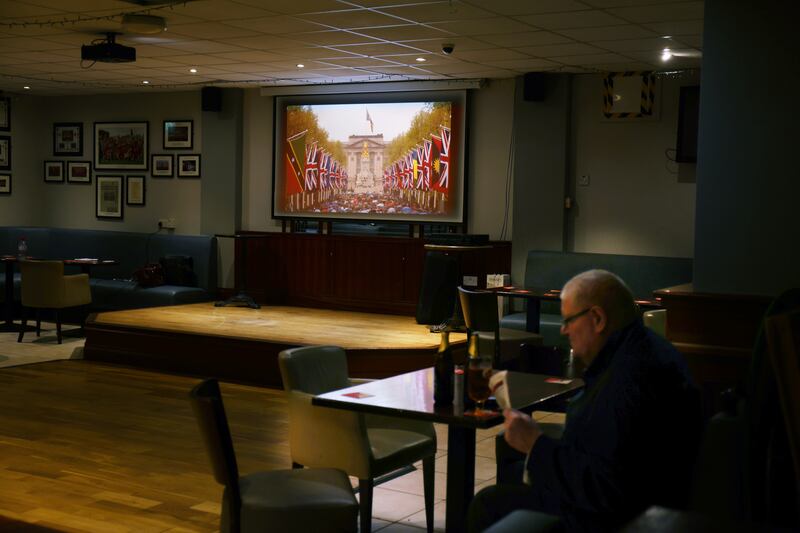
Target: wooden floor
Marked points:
91	447
241	344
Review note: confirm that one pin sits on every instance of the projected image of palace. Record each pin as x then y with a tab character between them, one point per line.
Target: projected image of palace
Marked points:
376	158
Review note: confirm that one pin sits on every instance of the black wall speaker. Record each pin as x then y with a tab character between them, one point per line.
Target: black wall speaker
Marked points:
211	98
437	295
533	86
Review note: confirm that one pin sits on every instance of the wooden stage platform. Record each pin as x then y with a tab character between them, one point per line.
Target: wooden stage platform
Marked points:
240	344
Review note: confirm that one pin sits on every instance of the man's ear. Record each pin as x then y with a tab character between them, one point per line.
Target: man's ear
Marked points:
599	319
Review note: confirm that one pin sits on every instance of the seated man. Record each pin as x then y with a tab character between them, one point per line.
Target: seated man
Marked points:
631	435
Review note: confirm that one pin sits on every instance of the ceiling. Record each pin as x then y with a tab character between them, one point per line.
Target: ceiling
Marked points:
251	43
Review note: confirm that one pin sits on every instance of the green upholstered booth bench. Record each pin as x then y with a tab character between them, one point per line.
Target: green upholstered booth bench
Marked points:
112	285
550	270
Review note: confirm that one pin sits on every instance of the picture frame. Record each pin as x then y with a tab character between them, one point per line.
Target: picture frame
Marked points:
178	134
108	197
68	138
5	114
5	152
134	190
189	166
162	166
121	145
5	184
79	172
54	171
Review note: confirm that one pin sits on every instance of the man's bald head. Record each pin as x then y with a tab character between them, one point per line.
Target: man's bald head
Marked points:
606	290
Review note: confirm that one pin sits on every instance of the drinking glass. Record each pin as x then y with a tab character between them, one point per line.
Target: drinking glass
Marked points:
479	370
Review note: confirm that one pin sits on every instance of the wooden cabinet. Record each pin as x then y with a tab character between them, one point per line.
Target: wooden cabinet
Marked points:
376	274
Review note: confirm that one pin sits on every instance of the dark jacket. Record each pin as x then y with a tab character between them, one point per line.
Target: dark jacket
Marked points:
630	437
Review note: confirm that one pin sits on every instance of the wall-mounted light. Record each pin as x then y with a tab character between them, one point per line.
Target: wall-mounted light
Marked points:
145	82
300	65
193	70
666	54
27	87
421	59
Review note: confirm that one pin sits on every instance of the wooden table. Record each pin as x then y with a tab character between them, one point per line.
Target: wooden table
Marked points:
86	263
411	396
535	295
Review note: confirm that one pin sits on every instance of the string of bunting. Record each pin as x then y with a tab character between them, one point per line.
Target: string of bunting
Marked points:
51	23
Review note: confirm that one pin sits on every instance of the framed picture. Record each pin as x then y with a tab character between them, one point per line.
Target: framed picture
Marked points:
109	197
121	145
5	114
5	153
134	190
189	166
68	138
5	183
79	172
178	134
54	171
161	165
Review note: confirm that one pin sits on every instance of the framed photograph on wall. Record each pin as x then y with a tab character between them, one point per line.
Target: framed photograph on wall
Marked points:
189	166
54	171
5	153
79	172
5	183
134	190
68	138
121	145
161	166
5	114
178	134
109	197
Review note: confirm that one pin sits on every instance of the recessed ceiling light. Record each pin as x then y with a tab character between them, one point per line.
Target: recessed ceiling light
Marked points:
145	82
421	59
193	70
300	65
27	88
667	37
666	54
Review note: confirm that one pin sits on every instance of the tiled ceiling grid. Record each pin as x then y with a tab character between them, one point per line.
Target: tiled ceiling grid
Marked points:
244	43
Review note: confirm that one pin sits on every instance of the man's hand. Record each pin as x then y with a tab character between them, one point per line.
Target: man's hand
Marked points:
521	431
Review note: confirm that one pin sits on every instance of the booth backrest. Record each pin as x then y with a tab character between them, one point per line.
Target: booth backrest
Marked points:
132	250
643	274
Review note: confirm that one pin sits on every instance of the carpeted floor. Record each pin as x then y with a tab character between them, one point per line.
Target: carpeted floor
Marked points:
37	350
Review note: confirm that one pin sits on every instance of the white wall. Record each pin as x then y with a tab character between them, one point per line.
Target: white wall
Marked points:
638	202
70	205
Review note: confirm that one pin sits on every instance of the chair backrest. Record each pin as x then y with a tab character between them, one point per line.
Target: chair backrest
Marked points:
210	413
437	294
783	339
480	309
314	369
42	283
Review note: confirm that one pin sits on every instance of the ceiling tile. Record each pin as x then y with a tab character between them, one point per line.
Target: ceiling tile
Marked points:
202	46
314	52
249	56
528	7
439	12
198	59
293	7
556	50
528	38
494	54
357	62
660	13
30	44
487	26
220	10
275	25
351	19
609	33
210	30
264	42
333	37
407	32
461	44
577	19
377	49
629	45
625	3
592	59
676	27
526	65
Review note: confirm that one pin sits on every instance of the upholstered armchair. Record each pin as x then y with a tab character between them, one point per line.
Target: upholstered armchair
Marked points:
364	446
44	286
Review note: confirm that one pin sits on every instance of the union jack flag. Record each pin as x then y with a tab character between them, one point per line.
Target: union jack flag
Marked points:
444	161
312	167
427	148
324	161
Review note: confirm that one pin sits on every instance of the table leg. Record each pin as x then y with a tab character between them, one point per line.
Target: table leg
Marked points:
460	476
532	315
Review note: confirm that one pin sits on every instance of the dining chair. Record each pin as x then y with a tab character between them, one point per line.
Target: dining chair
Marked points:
276	500
44	286
481	316
365	446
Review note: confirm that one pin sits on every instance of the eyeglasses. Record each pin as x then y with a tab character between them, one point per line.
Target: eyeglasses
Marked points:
566	321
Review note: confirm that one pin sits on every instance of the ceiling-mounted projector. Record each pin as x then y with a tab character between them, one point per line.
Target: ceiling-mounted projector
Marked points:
108	51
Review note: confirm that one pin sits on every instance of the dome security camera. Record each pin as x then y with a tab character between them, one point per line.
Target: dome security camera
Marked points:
447	48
